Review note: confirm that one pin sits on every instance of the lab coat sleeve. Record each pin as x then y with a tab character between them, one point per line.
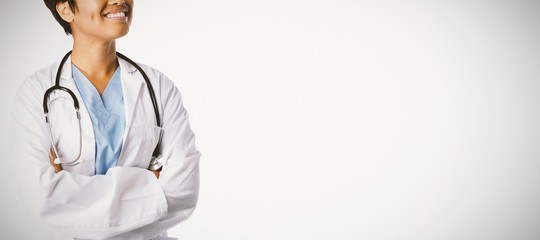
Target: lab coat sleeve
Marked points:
74	205
180	175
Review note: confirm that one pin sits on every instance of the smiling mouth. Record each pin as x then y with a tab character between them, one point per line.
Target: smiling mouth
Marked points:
121	15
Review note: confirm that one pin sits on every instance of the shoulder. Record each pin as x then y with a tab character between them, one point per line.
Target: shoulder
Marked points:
29	94
155	76
153	73
166	90
159	80
38	81
45	75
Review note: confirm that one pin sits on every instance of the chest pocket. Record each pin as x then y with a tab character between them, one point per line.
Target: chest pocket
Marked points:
140	142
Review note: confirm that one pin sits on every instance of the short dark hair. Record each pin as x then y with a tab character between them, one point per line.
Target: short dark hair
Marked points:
51	4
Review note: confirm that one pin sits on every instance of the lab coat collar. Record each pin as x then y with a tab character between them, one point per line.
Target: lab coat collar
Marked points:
125	66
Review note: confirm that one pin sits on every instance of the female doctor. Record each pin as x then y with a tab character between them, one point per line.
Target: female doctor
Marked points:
98	177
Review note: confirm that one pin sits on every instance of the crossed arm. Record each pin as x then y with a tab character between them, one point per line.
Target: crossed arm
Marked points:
58	167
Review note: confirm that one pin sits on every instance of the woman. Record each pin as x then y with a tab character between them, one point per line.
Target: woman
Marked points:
114	190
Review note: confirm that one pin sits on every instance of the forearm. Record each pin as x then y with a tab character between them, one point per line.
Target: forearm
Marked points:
96	206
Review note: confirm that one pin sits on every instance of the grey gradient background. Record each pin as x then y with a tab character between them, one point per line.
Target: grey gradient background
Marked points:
333	119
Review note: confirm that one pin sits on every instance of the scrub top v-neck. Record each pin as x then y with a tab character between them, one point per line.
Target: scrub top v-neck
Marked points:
107	115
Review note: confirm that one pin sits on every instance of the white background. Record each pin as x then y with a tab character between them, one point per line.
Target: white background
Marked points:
333	119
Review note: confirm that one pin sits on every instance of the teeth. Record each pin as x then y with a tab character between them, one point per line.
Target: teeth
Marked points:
116	15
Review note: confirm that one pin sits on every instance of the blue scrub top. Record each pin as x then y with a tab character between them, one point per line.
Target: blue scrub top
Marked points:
108	117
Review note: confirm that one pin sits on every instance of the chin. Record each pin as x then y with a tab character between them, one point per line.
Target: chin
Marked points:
118	33
124	33
106	33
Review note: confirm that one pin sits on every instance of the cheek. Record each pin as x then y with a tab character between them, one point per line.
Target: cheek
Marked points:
87	19
95	18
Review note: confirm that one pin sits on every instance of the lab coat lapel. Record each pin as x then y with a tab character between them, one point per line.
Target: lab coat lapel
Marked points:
131	87
87	130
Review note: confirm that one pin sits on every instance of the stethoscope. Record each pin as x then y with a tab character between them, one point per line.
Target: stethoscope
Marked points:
155	163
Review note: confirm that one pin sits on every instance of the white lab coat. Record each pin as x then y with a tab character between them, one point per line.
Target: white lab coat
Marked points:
129	202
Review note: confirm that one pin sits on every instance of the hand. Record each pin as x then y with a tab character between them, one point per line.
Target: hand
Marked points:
155	172
57	167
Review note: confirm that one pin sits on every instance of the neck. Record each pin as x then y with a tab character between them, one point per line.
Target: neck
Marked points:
96	60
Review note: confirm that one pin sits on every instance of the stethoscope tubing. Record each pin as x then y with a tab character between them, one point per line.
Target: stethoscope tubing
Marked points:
156	153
